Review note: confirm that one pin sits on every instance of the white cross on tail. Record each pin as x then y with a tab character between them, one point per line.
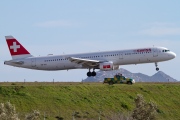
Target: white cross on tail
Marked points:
14	47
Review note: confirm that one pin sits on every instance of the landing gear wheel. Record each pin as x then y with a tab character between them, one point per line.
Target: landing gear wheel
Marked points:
156	64
93	73
89	74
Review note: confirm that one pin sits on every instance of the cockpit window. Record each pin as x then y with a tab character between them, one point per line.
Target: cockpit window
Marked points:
166	51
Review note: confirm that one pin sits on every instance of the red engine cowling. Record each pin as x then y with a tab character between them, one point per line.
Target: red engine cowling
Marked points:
106	66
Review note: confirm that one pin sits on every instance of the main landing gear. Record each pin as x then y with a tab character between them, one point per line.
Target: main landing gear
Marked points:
89	74
157	69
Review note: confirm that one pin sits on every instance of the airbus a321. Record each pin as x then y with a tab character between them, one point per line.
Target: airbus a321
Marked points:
105	61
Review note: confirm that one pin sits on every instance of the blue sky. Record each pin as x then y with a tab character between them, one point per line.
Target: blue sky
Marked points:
69	26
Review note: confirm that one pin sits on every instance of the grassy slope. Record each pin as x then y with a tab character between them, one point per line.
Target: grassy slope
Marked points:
62	99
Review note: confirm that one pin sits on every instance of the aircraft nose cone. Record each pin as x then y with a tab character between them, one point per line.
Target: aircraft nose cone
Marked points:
173	55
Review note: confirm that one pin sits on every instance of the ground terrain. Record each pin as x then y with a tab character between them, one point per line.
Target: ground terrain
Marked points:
91	100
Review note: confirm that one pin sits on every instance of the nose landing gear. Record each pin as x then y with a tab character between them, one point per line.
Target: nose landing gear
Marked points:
157	69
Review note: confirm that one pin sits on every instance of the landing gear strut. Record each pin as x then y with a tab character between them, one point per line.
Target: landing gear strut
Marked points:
157	69
89	74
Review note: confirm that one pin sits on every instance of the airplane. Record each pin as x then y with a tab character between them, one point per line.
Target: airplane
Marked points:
105	61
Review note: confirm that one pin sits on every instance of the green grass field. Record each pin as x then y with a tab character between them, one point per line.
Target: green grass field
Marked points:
63	99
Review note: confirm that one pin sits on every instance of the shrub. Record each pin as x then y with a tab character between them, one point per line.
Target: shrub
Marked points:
125	105
8	112
143	110
13	84
59	118
119	116
35	115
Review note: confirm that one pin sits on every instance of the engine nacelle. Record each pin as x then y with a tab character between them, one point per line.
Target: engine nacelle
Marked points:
106	66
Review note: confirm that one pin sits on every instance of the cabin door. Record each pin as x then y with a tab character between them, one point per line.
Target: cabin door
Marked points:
155	52
33	62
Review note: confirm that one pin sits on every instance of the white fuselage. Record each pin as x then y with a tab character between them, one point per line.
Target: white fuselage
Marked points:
118	57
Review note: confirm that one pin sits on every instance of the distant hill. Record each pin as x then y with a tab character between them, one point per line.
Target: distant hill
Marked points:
139	77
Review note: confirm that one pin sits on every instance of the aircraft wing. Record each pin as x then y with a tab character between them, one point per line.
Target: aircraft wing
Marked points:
85	62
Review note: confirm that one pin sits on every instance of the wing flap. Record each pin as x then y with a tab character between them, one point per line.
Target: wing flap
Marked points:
85	62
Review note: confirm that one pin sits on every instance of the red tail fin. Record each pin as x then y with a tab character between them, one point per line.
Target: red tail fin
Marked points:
16	49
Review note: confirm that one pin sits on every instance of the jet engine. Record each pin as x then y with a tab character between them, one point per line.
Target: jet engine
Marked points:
106	66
